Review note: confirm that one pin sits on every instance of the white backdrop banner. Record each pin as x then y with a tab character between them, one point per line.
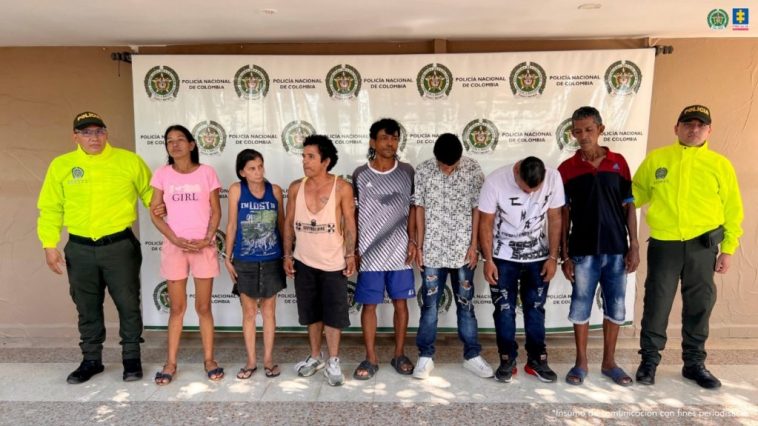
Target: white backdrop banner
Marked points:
503	106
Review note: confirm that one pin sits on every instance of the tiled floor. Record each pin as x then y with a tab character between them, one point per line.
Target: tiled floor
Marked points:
34	390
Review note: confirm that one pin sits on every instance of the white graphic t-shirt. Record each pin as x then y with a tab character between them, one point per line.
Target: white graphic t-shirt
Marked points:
520	229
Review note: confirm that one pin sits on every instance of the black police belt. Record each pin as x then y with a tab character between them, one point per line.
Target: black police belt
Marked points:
102	241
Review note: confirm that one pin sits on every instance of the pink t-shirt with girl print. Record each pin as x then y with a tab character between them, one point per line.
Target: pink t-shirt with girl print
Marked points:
187	198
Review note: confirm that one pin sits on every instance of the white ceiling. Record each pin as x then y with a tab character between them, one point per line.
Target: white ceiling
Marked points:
168	22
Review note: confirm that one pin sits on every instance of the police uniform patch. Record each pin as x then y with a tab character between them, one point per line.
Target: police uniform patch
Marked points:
661	172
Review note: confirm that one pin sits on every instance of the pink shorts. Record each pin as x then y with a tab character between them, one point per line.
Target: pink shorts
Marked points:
176	264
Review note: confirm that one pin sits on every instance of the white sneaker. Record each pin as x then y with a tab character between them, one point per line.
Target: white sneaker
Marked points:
309	366
478	366
333	372
424	366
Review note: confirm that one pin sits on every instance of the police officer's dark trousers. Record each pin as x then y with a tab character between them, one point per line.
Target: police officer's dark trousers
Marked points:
670	262
94	266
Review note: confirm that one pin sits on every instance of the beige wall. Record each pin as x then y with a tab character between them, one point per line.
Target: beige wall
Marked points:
722	74
40	91
42	88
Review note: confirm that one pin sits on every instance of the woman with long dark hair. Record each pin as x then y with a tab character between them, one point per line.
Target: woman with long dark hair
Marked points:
190	192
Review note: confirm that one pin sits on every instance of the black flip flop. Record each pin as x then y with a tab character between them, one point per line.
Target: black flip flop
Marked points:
162	379
272	371
215	374
400	362
246	373
368	367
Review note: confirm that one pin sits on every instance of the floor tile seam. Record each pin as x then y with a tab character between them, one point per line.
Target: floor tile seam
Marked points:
269	383
155	391
449	405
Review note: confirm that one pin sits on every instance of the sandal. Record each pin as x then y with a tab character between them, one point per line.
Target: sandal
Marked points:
245	373
576	376
215	374
162	378
402	365
365	370
618	376
272	371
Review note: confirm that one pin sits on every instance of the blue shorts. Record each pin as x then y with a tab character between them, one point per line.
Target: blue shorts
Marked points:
607	269
371	284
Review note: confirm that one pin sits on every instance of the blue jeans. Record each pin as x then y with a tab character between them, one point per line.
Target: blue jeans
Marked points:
610	271
533	293
432	286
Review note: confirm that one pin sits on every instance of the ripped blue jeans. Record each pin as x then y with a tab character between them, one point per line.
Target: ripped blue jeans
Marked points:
521	279
432	288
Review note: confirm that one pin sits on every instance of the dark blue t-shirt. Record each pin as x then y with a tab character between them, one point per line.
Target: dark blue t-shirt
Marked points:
258	238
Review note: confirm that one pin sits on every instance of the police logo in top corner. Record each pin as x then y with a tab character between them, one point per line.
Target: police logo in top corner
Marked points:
564	137
162	83
718	19
77	173
528	79
251	82
343	82
160	297
623	78
210	136
434	81
294	135
480	136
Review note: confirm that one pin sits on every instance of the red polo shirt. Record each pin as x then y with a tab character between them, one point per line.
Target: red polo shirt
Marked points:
596	198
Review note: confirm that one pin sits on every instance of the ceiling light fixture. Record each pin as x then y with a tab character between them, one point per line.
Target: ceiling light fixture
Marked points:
589	6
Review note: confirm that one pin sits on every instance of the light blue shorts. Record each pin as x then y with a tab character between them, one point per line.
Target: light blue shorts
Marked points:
608	270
